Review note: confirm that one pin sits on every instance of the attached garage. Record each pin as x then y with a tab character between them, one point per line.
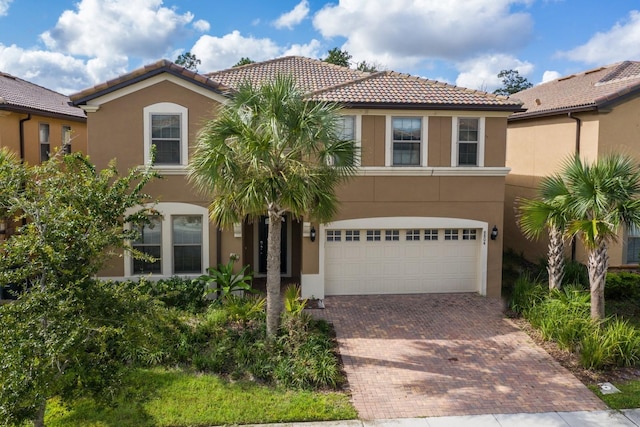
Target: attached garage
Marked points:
403	255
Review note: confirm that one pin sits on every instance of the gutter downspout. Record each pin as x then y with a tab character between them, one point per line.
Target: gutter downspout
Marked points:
577	152
26	119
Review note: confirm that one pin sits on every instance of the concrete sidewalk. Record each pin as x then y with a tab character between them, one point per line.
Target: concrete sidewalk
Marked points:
624	418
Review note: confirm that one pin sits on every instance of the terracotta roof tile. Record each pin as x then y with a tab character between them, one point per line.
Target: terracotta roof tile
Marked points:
587	90
20	95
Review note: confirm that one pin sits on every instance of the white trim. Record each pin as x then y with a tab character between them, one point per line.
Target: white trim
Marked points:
167	210
167	108
454	139
424	143
97	102
432	171
314	284
358	137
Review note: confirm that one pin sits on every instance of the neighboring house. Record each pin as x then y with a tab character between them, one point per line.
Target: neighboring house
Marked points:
35	121
418	216
592	114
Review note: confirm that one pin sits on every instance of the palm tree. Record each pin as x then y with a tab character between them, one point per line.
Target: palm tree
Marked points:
271	151
603	196
550	213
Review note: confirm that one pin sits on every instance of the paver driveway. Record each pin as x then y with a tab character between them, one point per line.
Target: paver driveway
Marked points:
445	354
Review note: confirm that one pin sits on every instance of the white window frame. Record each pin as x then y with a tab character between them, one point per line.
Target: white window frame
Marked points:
357	134
424	143
167	108
44	142
454	140
632	233
167	211
66	139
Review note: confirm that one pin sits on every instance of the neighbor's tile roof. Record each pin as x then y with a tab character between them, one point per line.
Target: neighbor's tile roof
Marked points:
328	82
20	95
583	91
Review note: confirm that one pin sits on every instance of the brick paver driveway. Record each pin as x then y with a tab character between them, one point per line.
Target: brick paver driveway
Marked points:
445	354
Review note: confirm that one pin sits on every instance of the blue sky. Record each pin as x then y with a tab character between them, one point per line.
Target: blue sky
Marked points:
70	45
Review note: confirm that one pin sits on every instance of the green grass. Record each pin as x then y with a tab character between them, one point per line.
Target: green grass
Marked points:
161	397
628	398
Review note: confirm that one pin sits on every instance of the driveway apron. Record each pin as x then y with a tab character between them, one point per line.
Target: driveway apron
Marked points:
445	354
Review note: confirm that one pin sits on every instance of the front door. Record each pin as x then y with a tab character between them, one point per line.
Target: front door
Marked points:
263	234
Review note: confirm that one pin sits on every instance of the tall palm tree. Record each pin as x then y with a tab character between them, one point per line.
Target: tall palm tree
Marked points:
603	196
549	212
271	151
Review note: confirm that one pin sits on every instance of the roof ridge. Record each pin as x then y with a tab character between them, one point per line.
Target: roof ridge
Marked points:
11	76
449	85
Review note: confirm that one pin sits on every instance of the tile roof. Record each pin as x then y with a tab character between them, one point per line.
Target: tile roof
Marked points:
328	82
158	67
20	95
588	90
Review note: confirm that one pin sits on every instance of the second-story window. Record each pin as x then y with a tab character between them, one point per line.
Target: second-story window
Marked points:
66	139
45	146
406	134
165	137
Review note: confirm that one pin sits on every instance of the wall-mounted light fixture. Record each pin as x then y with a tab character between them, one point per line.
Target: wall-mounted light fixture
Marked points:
312	234
494	232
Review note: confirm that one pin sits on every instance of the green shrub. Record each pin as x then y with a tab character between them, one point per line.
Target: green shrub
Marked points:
622	285
594	353
623	341
526	293
175	292
575	273
225	282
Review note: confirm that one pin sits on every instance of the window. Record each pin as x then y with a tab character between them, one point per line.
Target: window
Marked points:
352	235
187	243
391	235
468	234
373	235
468	141
347	128
633	245
149	243
406	137
450	234
45	146
66	139
431	234
165	129
413	235
334	235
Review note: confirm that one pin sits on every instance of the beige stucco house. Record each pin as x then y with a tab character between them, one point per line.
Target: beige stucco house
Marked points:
592	113
418	217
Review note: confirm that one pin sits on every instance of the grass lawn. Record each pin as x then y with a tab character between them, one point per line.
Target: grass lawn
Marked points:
628	398
160	397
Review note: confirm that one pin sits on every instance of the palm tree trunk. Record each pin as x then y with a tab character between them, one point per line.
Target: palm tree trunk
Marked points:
273	272
597	266
555	266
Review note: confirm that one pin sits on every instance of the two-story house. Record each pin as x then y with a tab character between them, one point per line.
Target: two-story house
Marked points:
423	214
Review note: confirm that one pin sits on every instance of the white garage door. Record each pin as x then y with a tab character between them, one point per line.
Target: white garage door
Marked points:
395	261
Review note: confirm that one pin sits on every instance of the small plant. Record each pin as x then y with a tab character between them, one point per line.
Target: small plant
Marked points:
224	281
293	304
526	294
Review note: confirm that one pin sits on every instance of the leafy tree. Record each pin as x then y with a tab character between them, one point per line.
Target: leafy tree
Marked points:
512	82
338	57
269	153
189	61
365	66
548	212
244	61
64	335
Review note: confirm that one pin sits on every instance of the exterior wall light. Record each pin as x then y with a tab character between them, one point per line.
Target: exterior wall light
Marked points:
494	232
312	234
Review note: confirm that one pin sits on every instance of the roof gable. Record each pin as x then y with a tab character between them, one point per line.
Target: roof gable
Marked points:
22	96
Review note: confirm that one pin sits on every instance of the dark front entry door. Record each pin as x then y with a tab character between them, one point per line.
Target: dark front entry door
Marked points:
263	234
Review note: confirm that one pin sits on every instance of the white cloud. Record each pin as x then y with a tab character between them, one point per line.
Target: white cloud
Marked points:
310	50
202	25
549	75
217	53
4	7
404	33
482	72
293	17
55	71
621	42
138	28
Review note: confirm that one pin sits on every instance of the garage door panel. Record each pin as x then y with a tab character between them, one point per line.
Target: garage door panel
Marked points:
401	266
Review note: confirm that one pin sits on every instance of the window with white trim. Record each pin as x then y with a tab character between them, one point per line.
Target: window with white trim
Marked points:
45	146
633	245
66	139
450	234
431	234
334	235
406	141
467	141
149	243
391	235
166	130
412	235
187	243
352	235
373	235
468	234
